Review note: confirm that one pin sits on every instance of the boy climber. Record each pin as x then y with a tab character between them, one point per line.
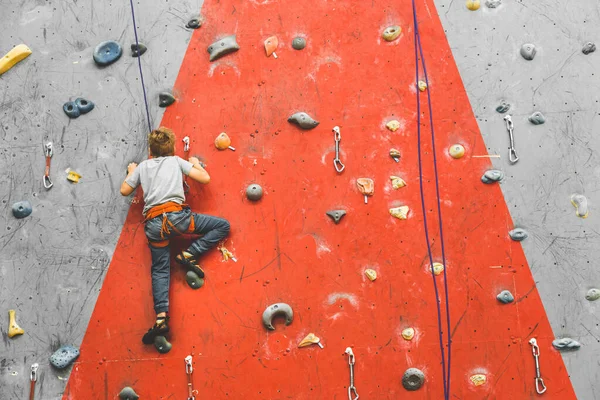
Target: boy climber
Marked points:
167	216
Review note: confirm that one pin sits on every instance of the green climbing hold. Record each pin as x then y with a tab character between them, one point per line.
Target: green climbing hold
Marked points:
299	43
194	280
128	394
162	345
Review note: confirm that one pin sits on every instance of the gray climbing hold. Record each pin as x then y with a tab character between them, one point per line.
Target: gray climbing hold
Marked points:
566	344
492	175
194	280
194	23
336	215
493	3
71	109
413	379
275	310
503	107
84	106
107	53
162	345
518	234
138	49
592	294
537	118
588	48
21	209
528	51
165	99
222	47
299	43
128	394
303	120
505	297
254	192
64	356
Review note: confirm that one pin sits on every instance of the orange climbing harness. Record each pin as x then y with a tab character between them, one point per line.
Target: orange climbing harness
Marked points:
167	225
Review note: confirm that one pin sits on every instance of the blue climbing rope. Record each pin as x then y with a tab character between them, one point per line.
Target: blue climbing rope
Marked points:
419	51
139	57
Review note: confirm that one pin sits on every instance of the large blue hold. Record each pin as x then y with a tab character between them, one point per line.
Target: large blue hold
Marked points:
107	52
64	356
84	106
71	109
21	209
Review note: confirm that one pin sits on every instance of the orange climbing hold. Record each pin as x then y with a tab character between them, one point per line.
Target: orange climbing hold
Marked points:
271	45
222	142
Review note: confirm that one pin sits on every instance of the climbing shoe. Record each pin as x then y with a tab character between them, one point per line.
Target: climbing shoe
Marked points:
190	263
160	328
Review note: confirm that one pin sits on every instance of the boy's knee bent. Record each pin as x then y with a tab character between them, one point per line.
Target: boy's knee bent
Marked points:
225	227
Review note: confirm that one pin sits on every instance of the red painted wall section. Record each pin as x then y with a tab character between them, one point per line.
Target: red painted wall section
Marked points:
289	251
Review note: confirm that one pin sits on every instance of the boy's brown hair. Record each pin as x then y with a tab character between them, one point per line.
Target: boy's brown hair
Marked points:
162	142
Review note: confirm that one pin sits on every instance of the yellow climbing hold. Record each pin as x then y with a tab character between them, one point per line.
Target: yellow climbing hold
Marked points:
399	212
13	328
18	53
391	33
456	151
408	333
422	86
478	379
438	268
397	182
73	176
311	338
226	253
393	125
371	274
473	5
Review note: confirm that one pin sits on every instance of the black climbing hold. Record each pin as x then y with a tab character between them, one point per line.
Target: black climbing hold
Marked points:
128	394
528	51
566	344
162	345
503	107
518	234
84	106
107	52
138	49
254	192
165	99
194	23
222	47
505	297
413	379
71	109
64	356
303	120
492	175
22	209
299	43
336	215
537	118
194	280
588	48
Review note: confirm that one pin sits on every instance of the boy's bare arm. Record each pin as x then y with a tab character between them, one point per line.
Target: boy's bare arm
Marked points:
126	190
198	173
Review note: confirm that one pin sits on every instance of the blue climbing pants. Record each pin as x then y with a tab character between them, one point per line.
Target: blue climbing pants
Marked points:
212	229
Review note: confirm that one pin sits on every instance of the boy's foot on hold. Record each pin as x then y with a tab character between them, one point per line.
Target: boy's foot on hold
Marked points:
190	263
160	328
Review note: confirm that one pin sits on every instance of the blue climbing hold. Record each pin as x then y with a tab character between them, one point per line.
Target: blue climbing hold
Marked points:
64	356
71	109
107	52
505	297
21	209
84	106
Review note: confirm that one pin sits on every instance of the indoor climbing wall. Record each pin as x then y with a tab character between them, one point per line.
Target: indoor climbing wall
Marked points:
64	260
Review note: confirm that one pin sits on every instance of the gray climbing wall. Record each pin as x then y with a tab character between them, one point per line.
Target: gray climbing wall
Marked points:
53	262
557	158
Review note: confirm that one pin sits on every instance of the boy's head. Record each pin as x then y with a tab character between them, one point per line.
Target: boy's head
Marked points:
162	142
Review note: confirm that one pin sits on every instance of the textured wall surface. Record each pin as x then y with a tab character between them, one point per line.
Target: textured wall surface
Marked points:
53	262
557	159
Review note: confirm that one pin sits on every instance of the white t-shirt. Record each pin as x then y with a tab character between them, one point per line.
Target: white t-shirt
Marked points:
161	180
